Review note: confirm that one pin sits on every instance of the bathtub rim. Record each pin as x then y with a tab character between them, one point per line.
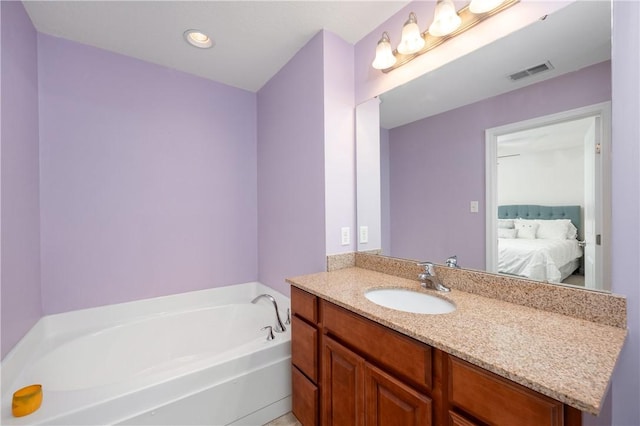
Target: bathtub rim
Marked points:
74	323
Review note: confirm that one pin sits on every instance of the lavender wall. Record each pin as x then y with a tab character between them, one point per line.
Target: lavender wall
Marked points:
291	209
148	179
437	165
21	306
625	240
339	146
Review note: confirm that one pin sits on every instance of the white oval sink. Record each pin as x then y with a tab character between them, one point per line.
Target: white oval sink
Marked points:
409	301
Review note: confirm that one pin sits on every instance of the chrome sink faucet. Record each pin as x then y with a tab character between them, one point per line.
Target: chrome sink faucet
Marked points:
429	275
279	328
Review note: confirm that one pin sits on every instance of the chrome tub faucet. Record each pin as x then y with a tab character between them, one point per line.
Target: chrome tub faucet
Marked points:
279	328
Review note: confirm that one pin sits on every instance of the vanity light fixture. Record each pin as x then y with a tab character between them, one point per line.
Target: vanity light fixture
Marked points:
198	39
447	23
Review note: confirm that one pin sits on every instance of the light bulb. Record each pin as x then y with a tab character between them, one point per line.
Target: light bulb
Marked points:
198	39
412	40
445	19
384	55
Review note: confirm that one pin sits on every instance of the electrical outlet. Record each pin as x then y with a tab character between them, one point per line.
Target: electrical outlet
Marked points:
473	207
364	234
345	234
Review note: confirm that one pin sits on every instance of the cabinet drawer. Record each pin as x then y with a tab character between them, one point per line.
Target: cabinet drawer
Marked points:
408	358
497	401
304	304
304	403
304	348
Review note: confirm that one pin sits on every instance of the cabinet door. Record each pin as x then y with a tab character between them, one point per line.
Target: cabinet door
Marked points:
342	385
391	402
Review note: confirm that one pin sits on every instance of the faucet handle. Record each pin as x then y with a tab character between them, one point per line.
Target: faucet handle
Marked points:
288	320
270	335
452	261
428	268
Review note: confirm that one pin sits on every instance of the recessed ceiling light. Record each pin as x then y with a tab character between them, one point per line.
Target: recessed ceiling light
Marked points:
198	39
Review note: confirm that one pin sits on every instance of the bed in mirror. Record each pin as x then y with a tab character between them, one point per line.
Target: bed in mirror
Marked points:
436	171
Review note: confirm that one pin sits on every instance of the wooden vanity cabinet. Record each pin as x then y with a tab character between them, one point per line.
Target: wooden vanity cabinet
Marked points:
349	370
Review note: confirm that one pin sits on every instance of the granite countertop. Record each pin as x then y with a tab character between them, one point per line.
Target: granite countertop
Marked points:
566	358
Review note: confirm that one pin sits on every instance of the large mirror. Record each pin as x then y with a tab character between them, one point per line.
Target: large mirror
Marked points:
440	137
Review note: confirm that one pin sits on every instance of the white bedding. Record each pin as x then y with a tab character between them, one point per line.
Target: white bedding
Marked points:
537	259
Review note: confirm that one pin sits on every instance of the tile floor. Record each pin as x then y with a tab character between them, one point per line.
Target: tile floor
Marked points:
287	420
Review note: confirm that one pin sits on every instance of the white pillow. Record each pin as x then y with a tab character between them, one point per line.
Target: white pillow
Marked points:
505	224
553	229
507	233
526	228
572	231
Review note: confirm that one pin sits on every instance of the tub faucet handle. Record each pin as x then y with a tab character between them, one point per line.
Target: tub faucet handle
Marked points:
270	335
288	320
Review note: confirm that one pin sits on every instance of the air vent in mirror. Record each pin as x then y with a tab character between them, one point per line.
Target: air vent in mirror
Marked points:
531	71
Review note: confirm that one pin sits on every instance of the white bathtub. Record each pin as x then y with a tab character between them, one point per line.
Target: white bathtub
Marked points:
194	358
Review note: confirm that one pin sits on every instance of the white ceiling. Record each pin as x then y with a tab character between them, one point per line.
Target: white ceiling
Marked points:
572	38
568	134
254	39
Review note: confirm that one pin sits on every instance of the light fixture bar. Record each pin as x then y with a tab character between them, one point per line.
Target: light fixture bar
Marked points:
469	20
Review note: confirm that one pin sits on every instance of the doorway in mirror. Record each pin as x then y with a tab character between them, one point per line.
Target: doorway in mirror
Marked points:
547	197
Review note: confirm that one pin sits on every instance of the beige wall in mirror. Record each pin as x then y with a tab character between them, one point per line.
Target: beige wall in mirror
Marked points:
435	191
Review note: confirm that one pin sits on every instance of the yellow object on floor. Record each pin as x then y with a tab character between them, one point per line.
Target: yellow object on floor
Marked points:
26	400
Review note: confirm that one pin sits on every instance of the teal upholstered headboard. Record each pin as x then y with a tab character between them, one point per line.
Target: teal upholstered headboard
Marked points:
526	211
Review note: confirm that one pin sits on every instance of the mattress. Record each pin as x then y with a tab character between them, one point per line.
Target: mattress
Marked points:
537	259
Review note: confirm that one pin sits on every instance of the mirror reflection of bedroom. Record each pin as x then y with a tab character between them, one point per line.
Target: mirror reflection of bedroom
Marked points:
548	192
